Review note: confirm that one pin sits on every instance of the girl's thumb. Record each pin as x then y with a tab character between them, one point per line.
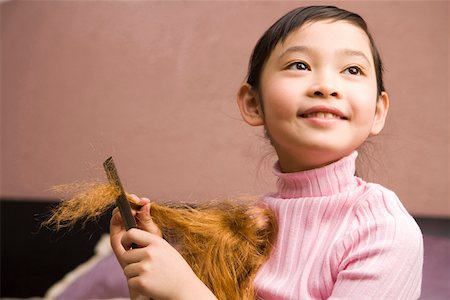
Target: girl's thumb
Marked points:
145	221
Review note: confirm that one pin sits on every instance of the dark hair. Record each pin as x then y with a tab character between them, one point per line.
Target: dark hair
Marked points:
295	19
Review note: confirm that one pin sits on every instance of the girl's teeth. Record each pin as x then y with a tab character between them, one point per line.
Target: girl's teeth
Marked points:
322	115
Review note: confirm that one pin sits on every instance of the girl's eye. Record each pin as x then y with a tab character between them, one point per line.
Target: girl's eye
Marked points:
299	66
353	71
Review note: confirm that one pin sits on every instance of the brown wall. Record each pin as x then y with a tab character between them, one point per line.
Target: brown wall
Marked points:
153	84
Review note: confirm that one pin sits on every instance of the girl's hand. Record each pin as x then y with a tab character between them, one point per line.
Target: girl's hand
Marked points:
143	221
156	269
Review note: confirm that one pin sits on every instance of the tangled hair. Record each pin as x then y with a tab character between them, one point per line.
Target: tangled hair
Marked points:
224	242
89	201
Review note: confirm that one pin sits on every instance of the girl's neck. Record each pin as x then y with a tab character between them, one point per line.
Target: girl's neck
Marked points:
308	160
328	180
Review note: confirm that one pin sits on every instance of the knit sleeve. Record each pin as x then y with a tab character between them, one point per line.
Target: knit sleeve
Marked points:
382	254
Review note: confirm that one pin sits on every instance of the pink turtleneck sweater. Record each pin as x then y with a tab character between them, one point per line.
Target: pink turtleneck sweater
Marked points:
340	238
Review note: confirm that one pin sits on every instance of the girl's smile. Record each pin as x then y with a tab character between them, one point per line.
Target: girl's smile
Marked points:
318	95
322	115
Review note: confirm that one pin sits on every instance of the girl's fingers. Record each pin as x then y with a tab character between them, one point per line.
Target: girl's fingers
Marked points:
131	270
116	218
137	237
116	232
139	201
134	269
145	221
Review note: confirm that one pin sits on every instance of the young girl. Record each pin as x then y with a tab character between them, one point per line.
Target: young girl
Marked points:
315	84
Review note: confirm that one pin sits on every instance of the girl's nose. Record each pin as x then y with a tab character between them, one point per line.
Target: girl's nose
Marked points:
323	90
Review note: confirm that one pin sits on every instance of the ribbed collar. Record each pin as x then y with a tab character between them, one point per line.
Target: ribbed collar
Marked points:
332	179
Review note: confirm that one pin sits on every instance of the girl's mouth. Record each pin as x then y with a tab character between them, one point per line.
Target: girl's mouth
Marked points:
322	112
322	115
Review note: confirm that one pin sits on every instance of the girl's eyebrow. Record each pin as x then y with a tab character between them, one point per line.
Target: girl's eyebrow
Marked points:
351	52
294	49
345	52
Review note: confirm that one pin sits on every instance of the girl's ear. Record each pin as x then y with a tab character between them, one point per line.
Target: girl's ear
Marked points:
250	106
382	108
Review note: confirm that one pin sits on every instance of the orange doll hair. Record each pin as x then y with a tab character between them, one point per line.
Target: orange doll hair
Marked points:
224	242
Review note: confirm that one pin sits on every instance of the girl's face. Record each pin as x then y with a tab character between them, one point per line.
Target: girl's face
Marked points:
319	95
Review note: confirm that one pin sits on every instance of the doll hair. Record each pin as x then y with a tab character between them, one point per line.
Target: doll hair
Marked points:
224	242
